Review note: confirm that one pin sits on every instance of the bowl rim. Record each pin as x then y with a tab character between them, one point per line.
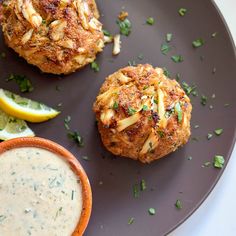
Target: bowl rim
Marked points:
71	160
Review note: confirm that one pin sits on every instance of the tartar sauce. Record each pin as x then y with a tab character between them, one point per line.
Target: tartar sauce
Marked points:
39	194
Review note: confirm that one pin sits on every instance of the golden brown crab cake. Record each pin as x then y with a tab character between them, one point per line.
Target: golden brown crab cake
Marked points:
58	36
142	114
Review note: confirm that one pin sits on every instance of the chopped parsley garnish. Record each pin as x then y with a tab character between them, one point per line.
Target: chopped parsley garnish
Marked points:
219	161
177	58
165	48
125	26
115	105
2	55
136	191
140	56
95	66
23	82
166	72
177	77
161	133
145	87
218	132
150	21
203	100
106	32
145	107
214	34
182	11
188	89
143	185
131	111
178	204
179	111
168	37
209	136
198	43
132	63
131	221
76	137
66	122
151	211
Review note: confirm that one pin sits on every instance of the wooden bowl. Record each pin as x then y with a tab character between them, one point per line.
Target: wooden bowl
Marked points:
74	164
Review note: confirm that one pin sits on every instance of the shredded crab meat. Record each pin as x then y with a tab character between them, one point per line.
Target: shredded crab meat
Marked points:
161	109
29	13
106	116
27	36
83	12
151	143
108	39
123	78
67	44
117	45
95	24
106	95
125	123
57	28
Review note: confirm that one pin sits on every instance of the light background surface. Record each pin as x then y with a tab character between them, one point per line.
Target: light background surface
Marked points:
216	216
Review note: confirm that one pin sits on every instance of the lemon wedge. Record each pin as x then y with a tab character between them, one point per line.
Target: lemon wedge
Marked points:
24	108
11	127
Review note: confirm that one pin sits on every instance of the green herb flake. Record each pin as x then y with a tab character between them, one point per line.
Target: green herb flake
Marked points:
125	26
218	132
198	43
66	122
213	35
177	77
131	111
166	72
95	66
22	81
140	56
136	191
182	11
203	100
72	194
132	63
179	111
177	58
76	137
150	21
106	33
219	161
165	48
178	204
145	107
131	221
151	211
143	185
188	89
209	136
168	37
115	105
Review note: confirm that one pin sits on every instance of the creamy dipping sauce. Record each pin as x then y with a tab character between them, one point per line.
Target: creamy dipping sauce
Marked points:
39	194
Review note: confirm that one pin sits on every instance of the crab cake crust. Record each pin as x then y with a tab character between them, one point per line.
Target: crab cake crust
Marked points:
142	114
58	36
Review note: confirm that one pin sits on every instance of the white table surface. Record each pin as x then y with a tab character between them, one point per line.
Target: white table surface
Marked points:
216	216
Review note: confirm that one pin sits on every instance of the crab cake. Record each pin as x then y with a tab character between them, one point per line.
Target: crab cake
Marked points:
58	36
142	114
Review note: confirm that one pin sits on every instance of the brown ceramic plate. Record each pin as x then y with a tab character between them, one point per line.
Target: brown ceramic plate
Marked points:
171	178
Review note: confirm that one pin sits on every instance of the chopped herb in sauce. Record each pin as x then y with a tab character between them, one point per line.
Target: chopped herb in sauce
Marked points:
151	211
76	137
130	221
203	100
178	204
168	37
143	185
198	43
165	48
131	111
2	218
177	58
219	161
115	105
125	26
218	132
150	21
23	82
182	11
95	66
179	111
